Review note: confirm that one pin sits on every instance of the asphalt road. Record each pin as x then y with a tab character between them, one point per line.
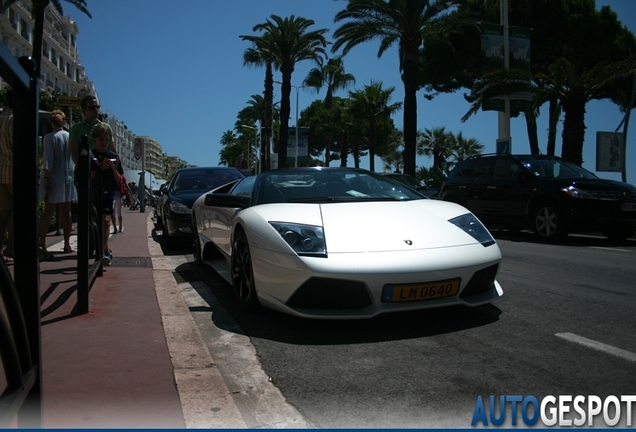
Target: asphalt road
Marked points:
565	326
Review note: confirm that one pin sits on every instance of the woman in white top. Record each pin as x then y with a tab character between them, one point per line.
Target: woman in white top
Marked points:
57	184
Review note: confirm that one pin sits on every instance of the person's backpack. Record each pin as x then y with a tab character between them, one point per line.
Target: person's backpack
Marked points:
122	185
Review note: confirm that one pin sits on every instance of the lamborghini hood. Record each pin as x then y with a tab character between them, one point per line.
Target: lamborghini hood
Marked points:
392	226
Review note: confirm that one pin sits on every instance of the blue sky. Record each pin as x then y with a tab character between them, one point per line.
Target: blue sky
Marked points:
174	71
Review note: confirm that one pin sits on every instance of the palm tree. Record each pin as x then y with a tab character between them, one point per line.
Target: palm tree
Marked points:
437	143
288	41
568	85
393	158
38	8
371	103
446	150
232	154
463	148
406	22
256	111
507	82
333	76
578	53
573	85
433	177
258	55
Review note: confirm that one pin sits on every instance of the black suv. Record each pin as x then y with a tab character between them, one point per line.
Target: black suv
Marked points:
546	193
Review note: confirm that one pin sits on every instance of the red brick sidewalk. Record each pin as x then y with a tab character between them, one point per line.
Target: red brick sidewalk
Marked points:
110	368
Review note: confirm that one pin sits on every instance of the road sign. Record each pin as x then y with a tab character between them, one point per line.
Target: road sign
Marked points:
69	101
138	148
504	145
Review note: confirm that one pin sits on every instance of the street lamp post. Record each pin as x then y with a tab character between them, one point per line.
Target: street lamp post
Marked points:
296	160
296	141
249	150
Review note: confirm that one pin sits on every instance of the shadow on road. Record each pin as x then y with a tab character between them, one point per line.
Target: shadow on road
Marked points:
272	325
179	246
591	239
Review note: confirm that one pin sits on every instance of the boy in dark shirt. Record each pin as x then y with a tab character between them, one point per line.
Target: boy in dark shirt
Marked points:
105	163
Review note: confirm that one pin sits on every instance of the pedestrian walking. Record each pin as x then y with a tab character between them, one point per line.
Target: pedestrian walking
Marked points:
57	185
91	110
134	190
105	163
120	194
58	220
128	197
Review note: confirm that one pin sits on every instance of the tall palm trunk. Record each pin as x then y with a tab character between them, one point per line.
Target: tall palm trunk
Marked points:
328	105
574	128
531	127
356	154
438	159
372	141
285	109
327	148
267	121
410	51
344	149
554	114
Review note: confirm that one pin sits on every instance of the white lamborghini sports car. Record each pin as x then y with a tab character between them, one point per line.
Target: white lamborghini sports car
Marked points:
342	243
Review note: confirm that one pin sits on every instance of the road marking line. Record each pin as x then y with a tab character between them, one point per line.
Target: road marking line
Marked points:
610	249
627	355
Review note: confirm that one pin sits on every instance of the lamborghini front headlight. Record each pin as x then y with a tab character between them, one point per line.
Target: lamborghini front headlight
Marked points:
305	240
471	225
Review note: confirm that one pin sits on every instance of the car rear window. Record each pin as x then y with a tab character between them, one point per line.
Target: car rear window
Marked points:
556	168
480	168
202	180
505	168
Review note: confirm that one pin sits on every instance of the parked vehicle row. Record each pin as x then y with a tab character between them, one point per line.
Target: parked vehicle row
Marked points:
173	207
350	243
545	193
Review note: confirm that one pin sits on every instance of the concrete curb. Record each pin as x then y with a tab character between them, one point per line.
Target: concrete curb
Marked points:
205	398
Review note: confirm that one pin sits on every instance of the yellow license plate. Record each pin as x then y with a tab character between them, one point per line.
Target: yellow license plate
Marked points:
420	292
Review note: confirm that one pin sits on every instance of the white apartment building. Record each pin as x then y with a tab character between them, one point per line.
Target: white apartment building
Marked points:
124	141
155	158
62	71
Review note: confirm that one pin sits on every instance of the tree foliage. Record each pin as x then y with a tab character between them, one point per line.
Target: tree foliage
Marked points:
406	23
446	149
288	41
579	54
372	105
333	76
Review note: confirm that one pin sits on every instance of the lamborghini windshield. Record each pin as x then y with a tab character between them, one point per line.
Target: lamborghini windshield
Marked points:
330	185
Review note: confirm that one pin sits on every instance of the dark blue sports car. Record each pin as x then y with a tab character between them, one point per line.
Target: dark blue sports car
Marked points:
174	206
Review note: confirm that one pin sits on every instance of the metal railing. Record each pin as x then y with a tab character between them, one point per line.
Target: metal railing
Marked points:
20	351
21	374
20	332
89	226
